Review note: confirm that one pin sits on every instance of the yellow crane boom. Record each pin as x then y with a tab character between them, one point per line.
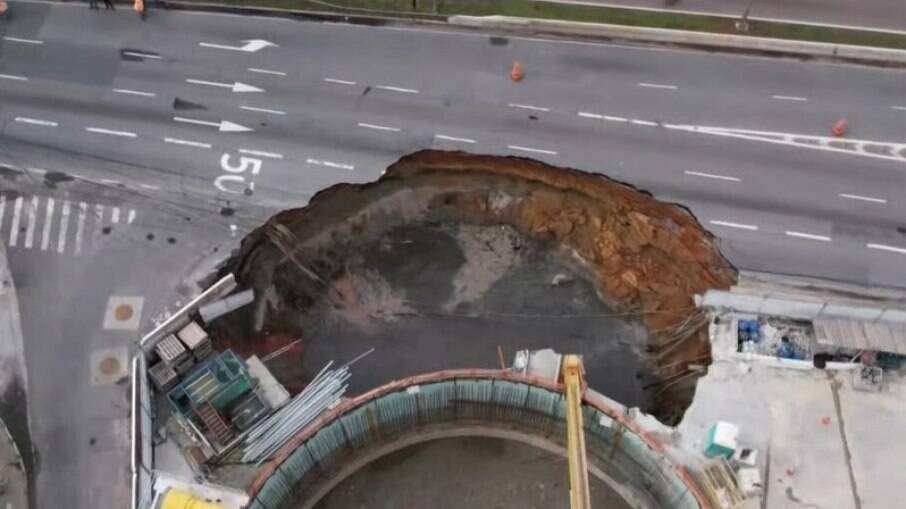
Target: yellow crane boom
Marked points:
574	386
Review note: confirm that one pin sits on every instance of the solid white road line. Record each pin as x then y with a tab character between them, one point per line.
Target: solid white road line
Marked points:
611	118
64	226
712	176
883	247
48	223
177	141
266	71
109	182
149	186
530	149
13	77
453	138
18	39
658	85
339	82
262	110
133	92
789	98
397	89
528	107
32	219
115	215
14	226
80	226
809	236
100	130
740	226
142	55
37	170
379	127
644	122
36	121
331	164
862	198
901	108
272	155
586	114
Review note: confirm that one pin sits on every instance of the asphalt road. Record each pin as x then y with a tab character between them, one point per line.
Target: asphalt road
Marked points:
132	112
883	14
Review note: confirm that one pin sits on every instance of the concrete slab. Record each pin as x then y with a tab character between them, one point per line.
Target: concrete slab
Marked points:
123	313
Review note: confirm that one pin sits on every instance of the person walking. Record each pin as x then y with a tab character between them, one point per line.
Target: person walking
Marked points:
139	7
93	4
108	5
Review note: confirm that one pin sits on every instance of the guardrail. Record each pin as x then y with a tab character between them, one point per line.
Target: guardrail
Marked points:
525	409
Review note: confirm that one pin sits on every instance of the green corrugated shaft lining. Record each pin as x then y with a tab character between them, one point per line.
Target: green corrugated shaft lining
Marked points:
622	454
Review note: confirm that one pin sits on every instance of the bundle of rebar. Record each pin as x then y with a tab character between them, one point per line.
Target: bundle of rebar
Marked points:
324	391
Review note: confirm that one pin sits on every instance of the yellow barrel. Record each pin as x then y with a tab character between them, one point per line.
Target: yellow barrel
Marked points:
176	499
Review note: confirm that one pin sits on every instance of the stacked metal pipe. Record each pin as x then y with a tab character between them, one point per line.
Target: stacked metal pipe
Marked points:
266	437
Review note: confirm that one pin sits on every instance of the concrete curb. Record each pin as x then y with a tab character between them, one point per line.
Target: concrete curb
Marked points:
884	56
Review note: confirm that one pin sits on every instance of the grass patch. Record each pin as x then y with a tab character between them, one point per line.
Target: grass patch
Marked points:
617	16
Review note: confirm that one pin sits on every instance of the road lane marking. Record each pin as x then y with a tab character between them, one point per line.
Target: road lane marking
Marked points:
862	198
98	218
48	223
789	98
611	118
14	226
527	107
110	182
32	219
188	143
259	153
658	85
397	89
266	71
80	226
133	92
115	215
250	46
13	77
100	130
643	122
453	138
883	247
530	149
809	236
131	216
339	82
37	170
36	121
712	176
331	164
149	186
19	39
262	110
901	108
139	54
740	226
64	227
586	114
222	126
2	208
236	86
379	127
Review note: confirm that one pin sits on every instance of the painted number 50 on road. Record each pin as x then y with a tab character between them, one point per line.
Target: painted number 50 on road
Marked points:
239	174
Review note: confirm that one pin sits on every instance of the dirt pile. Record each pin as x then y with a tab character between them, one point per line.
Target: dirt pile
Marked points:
646	258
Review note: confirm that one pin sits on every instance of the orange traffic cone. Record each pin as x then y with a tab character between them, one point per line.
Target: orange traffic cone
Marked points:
839	127
516	71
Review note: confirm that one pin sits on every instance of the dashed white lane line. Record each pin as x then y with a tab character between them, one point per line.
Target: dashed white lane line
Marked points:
110	182
453	138
585	114
789	98
862	198
739	226
101	130
331	164
530	149
643	122
397	89
266	71
188	143
901	108
263	110
528	107
36	121
19	39
339	82
37	170
379	127
13	77
259	153
149	187
884	247
712	176
658	85
45	235
809	236
611	118
142	55
133	92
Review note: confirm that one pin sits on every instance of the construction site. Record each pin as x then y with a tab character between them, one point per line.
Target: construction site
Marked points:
515	335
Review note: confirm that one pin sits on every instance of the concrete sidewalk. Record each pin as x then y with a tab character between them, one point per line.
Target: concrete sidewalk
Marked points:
869	14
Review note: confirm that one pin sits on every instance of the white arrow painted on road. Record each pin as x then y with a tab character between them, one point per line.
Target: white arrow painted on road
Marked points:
235	87
223	126
250	46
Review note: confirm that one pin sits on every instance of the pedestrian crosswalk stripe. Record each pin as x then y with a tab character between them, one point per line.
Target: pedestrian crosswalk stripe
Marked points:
64	226
45	236
14	227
